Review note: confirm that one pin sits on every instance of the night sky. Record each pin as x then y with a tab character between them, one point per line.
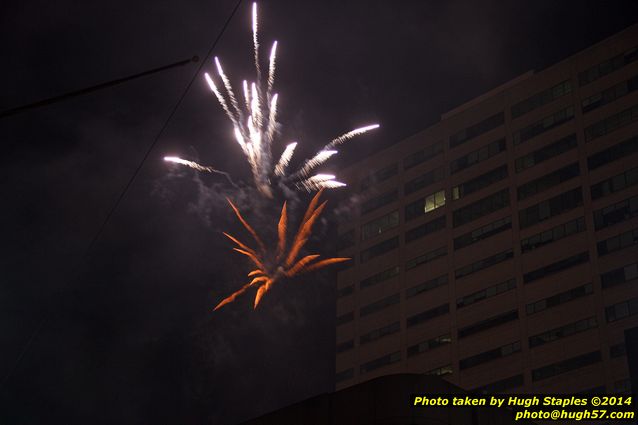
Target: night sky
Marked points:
128	332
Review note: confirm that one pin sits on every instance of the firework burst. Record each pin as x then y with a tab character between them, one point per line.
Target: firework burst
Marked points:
255	128
273	266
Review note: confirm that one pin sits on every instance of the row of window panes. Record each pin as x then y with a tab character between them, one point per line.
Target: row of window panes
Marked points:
379	176
547	152
440	371
563	331
618	242
380	277
619	276
426	258
379	305
345	318
486	293
477	156
483	232
490	355
609	95
479	182
615	183
560	298
483	264
549	208
488	323
613	153
379	333
345	291
565	366
475	130
425	229
425	205
430	314
616	213
608	66
380	362
611	123
344	375
424	180
481	208
423	155
426	286
552	235
428	345
379	225
622	310
379	249
542	98
344	346
379	201
556	267
543	125
548	181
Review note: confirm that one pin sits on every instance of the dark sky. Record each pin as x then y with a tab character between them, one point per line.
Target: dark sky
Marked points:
130	336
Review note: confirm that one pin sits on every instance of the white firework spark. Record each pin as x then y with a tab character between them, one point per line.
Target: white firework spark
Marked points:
255	129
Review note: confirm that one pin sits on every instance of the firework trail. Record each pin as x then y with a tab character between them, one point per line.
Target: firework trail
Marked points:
271	267
255	128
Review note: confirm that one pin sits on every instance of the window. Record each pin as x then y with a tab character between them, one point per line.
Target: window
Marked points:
379	305
430	314
424	180
426	258
620	275
425	229
428	345
379	201
491	322
425	205
542	98
613	153
380	362
483	294
549	208
344	375
346	240
380	333
379	249
477	156
563	331
615	184
618	350
556	267
608	66
622	310
501	385
484	264
611	123
543	154
477	129
560	298
616	213
618	242
345	346
482	233
480	182
426	286
380	225
548	181
480	208
345	291
541	126
379	176
440	371
345	318
490	355
565	366
552	235
380	277
422	155
609	95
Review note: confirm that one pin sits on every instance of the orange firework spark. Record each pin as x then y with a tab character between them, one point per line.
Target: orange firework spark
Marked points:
273	267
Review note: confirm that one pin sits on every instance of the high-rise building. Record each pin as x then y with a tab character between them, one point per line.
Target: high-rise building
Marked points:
498	248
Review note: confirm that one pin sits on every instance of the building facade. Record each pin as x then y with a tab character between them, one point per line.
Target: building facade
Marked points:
498	248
